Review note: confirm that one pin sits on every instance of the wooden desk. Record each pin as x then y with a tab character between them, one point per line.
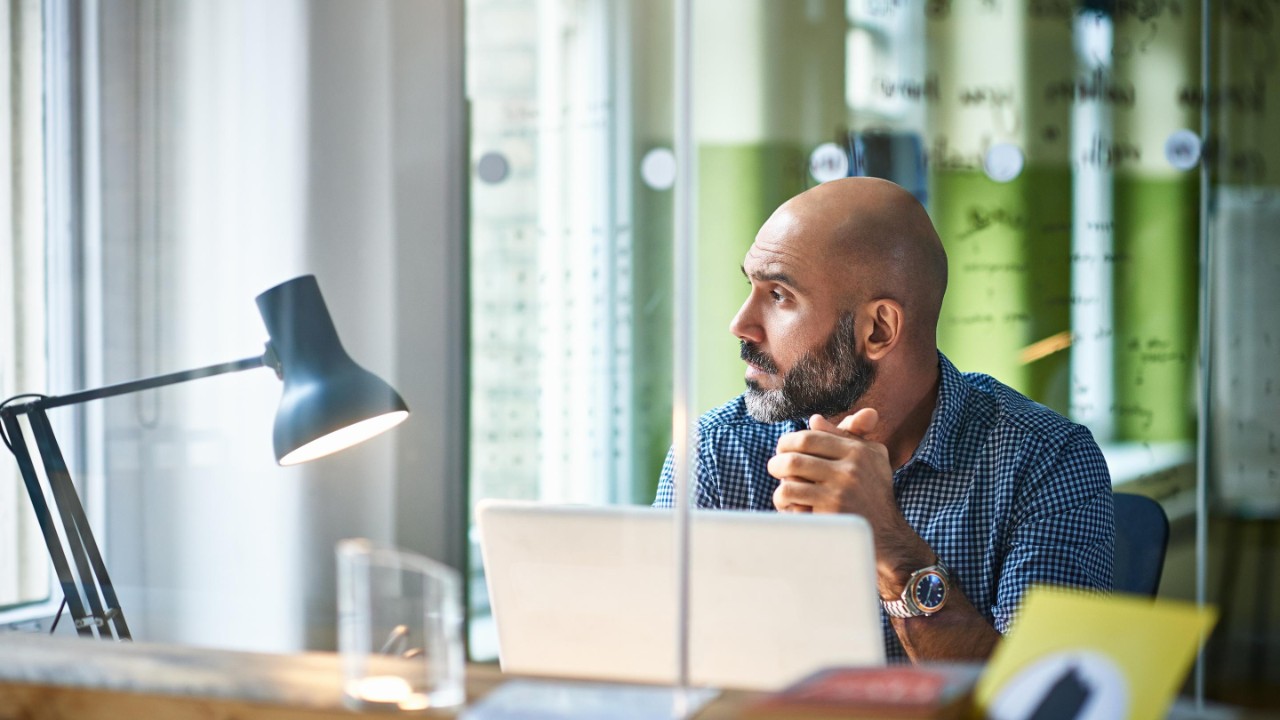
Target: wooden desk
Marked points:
43	678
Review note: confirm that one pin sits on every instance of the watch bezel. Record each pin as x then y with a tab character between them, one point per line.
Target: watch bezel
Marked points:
911	593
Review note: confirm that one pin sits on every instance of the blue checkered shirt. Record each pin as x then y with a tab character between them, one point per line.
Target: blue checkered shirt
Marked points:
1007	492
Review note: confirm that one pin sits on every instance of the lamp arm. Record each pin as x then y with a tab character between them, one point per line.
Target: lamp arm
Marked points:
95	585
123	388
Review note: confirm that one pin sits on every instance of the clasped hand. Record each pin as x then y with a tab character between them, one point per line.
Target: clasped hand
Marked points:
834	469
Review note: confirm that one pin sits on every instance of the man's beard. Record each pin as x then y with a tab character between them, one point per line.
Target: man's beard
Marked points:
826	381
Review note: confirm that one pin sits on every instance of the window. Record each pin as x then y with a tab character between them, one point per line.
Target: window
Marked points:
25	577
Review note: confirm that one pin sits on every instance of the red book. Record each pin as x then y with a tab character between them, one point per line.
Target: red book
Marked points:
898	691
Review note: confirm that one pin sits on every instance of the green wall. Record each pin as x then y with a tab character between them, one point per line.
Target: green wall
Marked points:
739	186
1009	256
1156	262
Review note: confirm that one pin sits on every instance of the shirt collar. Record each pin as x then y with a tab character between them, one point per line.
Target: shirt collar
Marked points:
935	449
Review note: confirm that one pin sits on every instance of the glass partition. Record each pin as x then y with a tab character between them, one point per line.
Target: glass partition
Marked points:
570	255
1087	183
1241	504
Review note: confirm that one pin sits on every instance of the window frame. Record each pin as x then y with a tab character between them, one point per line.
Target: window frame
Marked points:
55	241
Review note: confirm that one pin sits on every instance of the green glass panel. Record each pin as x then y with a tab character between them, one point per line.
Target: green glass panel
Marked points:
1009	285
1156	222
738	188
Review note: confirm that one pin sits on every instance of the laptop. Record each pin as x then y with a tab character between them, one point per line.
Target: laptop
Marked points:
590	592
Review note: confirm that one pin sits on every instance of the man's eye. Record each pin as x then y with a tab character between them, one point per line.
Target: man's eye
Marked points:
777	296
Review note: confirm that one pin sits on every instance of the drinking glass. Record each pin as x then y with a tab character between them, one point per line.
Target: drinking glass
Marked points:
399	629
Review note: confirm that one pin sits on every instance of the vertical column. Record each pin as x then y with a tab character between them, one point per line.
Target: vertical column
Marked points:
1092	397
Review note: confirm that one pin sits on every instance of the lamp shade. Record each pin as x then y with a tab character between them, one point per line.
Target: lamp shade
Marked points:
329	402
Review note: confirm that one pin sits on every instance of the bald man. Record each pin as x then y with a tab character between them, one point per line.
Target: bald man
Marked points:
973	492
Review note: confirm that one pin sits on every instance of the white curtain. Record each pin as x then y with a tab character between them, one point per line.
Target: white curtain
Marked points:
244	143
204	175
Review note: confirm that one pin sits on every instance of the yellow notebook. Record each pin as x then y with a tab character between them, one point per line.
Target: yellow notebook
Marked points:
1077	655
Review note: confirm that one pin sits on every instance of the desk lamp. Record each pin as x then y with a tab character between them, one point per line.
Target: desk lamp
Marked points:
329	403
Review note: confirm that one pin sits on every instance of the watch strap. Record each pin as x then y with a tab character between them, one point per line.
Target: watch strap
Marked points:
900	609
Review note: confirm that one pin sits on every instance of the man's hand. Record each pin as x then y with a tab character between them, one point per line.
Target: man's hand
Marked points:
835	469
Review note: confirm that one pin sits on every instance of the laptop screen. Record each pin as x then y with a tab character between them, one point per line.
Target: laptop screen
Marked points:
590	592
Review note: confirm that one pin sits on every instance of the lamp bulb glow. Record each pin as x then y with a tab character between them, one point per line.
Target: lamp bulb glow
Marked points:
343	438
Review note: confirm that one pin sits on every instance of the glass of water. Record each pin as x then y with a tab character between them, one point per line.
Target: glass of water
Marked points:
399	629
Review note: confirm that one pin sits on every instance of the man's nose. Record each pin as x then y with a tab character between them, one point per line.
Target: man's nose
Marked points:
745	325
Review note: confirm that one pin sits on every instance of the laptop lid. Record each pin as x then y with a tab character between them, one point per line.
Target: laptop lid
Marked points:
590	592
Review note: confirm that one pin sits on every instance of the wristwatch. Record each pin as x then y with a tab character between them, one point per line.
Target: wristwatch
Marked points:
925	593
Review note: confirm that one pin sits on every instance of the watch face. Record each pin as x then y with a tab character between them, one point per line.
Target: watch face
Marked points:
930	591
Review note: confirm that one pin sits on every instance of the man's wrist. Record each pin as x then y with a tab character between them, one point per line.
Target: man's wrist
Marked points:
894	577
897	579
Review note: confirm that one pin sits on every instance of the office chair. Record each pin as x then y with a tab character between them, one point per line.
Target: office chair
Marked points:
1142	536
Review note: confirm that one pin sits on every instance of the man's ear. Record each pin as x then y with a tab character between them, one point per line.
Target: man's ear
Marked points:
883	329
